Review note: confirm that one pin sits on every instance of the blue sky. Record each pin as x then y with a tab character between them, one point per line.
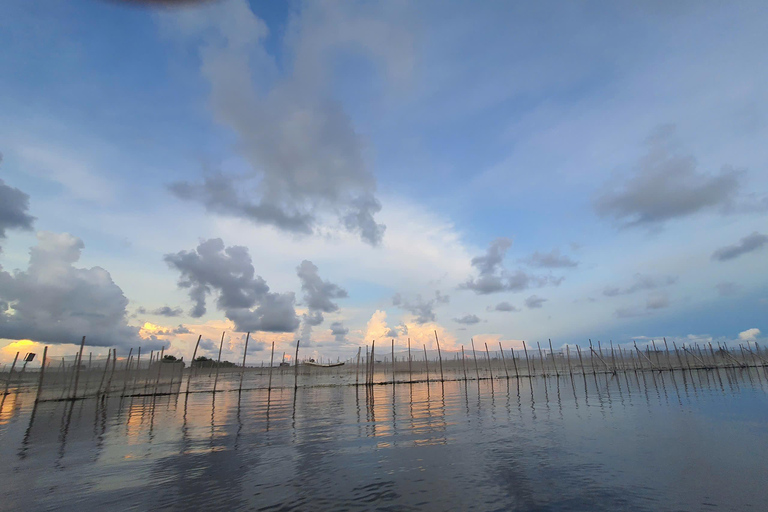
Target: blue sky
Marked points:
610	150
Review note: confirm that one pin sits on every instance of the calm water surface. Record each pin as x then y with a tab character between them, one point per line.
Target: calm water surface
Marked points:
672	441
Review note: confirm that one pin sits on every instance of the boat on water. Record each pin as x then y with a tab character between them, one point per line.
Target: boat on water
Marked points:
322	365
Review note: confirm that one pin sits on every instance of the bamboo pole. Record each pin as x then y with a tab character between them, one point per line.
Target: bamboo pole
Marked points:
613	358
296	368
581	361
527	362
426	362
77	369
474	356
159	364
568	355
218	361
104	374
440	357
372	373
138	369
40	379
552	353
504	361
271	364
367	364
514	362
410	370
126	370
490	368
541	357
10	374
463	363
245	352
357	367
393	361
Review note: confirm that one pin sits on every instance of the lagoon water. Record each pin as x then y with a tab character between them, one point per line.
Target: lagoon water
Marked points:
664	441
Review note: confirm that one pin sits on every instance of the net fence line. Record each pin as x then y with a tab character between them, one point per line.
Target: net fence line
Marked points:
77	377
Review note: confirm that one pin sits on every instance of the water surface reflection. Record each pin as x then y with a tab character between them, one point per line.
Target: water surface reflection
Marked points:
641	441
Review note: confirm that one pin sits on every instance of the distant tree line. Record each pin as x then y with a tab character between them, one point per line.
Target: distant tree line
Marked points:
204	362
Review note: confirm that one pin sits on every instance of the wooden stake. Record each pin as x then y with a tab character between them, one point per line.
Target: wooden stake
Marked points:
504	361
296	368
514	362
568	355
527	362
463	363
77	369
42	372
474	356
357	367
245	352
490	368
393	361
426	362
271	364
10	374
552	353
104	374
410	371
218	361
581	361
440	357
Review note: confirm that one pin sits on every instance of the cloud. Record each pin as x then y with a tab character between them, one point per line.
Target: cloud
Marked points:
534	302
318	295
665	185
162	311
55	302
305	158
660	301
749	334
494	278
552	259
467	319
642	282
502	306
13	210
748	244
181	330
228	274
423	310
727	289
339	331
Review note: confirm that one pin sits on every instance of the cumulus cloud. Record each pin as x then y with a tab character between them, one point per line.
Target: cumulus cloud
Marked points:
55	302
318	296
181	329
748	244
339	331
469	319
641	282
161	311
423	310
306	160
228	274
502	306
665	185
13	210
749	334
493	277
534	302
552	259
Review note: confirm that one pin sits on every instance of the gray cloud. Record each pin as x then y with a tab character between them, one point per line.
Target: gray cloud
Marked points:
318	296
13	210
727	289
552	259
55	302
534	302
467	319
660	301
161	311
642	282
494	278
181	329
665	185
306	159
423	310
749	243
397	331
339	331
502	306
228	274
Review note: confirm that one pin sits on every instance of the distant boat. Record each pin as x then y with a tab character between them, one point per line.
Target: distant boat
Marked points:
321	365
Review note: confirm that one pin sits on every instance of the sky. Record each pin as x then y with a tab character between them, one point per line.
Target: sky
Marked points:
343	172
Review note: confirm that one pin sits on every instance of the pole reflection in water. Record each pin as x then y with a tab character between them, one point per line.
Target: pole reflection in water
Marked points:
416	446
